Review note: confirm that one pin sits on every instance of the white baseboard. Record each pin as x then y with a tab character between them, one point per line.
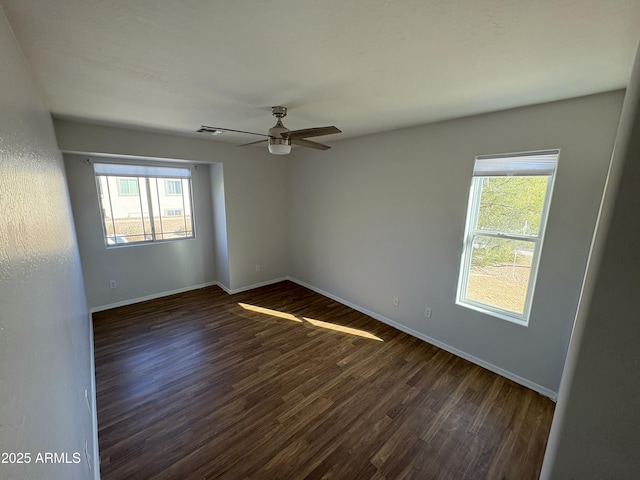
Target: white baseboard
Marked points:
232	291
223	287
478	361
153	296
95	468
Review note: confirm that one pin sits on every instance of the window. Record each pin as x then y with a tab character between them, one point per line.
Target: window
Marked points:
507	213
143	203
128	186
173	187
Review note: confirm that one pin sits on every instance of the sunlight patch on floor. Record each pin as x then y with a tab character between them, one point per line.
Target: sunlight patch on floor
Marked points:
268	311
315	323
343	329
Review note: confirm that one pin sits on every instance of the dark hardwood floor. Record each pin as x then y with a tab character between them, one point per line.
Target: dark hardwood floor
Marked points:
200	386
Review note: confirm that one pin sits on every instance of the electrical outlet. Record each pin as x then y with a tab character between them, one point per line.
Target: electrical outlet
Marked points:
257	268
427	312
396	301
112	284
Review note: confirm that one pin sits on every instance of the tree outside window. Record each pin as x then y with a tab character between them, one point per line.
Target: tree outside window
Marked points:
508	206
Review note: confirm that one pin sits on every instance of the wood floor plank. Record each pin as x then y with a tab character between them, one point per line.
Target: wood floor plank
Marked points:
204	385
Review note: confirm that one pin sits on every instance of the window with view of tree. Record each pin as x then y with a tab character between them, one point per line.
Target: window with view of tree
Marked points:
144	203
508	205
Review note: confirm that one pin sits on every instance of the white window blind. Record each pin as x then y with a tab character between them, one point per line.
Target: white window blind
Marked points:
121	170
543	163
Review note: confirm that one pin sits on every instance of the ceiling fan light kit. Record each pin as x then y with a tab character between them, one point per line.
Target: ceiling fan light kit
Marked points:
279	146
280	138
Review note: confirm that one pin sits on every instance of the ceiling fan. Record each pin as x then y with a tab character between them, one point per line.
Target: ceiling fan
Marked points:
280	138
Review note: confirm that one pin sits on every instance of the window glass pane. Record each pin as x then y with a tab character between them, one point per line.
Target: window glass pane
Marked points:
155	208
186	207
133	186
511	205
145	209
122	215
499	272
172	209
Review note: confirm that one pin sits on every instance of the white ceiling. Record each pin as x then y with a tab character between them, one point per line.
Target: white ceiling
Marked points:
362	65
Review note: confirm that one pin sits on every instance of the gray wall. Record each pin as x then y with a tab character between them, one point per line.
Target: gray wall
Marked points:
255	195
596	427
220	224
383	216
45	353
143	270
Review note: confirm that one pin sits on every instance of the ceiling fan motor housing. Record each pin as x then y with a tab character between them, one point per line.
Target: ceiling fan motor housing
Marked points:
279	112
278	129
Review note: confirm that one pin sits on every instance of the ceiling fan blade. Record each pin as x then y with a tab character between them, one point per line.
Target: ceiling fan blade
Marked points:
301	142
311	132
207	129
254	143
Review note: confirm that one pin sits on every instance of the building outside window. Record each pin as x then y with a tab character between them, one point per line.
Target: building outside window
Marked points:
143	203
127	186
173	187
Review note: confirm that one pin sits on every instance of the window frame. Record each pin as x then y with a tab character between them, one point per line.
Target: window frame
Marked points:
147	174
472	231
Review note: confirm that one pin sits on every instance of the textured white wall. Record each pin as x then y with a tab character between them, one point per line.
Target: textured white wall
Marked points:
596	427
383	216
140	270
45	354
